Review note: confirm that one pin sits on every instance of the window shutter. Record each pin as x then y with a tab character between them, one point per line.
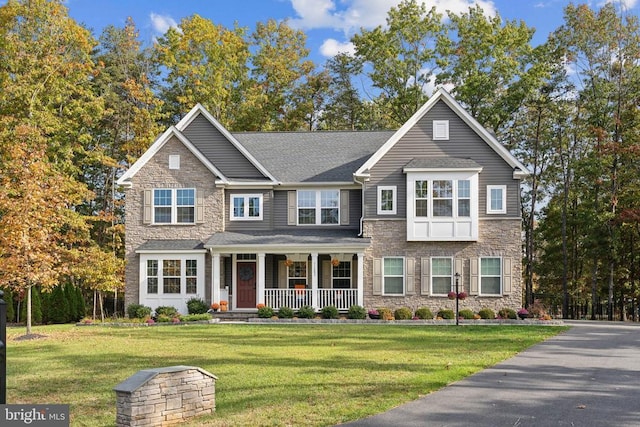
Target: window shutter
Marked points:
506	276
292	208
344	207
282	275
354	273
326	274
199	207
147	208
424	276
458	263
473	283
411	274
377	276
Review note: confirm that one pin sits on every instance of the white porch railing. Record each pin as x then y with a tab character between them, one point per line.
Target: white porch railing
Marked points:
342	299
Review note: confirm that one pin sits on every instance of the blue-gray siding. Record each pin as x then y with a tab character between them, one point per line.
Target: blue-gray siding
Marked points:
463	143
219	150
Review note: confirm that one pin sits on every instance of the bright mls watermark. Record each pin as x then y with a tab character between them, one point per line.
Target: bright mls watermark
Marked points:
34	415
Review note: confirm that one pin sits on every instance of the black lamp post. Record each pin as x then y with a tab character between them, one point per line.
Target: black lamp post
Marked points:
457	275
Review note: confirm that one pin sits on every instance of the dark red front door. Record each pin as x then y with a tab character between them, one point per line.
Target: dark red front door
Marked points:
246	297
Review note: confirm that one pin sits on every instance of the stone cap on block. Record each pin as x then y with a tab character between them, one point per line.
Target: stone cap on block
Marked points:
140	378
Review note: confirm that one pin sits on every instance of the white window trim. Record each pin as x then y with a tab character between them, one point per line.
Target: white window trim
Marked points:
480	276
441	130
503	208
317	206
245	215
175	300
404	276
416	225
394	201
433	275
174	206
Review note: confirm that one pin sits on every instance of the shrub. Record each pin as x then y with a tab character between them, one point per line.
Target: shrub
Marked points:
424	313
329	312
466	313
265	312
487	313
195	317
166	311
537	309
507	313
446	313
385	313
285	313
163	318
402	313
197	306
306	312
138	311
357	312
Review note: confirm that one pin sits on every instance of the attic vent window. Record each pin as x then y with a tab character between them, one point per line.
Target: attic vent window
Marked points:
174	161
441	129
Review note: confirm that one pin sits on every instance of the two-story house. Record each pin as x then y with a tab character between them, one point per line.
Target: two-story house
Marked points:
326	218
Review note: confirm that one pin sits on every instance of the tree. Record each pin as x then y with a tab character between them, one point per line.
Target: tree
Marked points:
279	71
205	63
37	223
487	61
344	109
602	48
401	58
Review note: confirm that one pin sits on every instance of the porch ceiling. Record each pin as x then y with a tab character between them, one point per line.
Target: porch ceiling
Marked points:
280	241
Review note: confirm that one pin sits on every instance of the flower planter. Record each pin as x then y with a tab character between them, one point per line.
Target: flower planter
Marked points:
374	316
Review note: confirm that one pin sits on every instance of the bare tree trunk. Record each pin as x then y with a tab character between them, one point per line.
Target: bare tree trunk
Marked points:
29	310
101	306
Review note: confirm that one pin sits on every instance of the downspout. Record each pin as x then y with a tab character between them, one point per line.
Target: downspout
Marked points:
362	181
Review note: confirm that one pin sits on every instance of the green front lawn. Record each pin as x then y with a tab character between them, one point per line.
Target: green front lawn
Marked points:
276	375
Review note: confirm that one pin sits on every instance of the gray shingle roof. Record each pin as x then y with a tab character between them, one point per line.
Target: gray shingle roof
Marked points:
312	156
303	237
441	163
170	244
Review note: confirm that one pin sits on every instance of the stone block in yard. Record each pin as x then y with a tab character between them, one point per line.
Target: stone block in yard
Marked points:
165	396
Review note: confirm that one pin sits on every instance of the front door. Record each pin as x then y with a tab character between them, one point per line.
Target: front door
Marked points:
246	296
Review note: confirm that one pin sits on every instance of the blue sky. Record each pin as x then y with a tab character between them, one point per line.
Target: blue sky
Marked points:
328	23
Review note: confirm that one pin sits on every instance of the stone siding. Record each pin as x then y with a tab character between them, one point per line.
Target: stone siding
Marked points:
156	174
497	237
165	396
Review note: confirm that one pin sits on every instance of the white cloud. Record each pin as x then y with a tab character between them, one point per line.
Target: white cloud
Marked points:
332	47
348	16
161	23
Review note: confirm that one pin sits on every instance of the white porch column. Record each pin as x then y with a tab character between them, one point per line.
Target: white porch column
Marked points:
361	279
314	280
261	278
215	277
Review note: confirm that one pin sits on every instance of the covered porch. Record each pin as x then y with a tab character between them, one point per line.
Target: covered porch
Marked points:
287	269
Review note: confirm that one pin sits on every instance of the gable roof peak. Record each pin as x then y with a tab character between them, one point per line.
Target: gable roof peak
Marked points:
441	94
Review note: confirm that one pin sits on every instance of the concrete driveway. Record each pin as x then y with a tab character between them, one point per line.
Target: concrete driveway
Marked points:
587	376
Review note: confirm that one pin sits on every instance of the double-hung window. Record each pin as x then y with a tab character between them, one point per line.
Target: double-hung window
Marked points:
320	207
341	275
174	205
246	207
393	276
491	276
387	200
441	276
496	199
297	274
